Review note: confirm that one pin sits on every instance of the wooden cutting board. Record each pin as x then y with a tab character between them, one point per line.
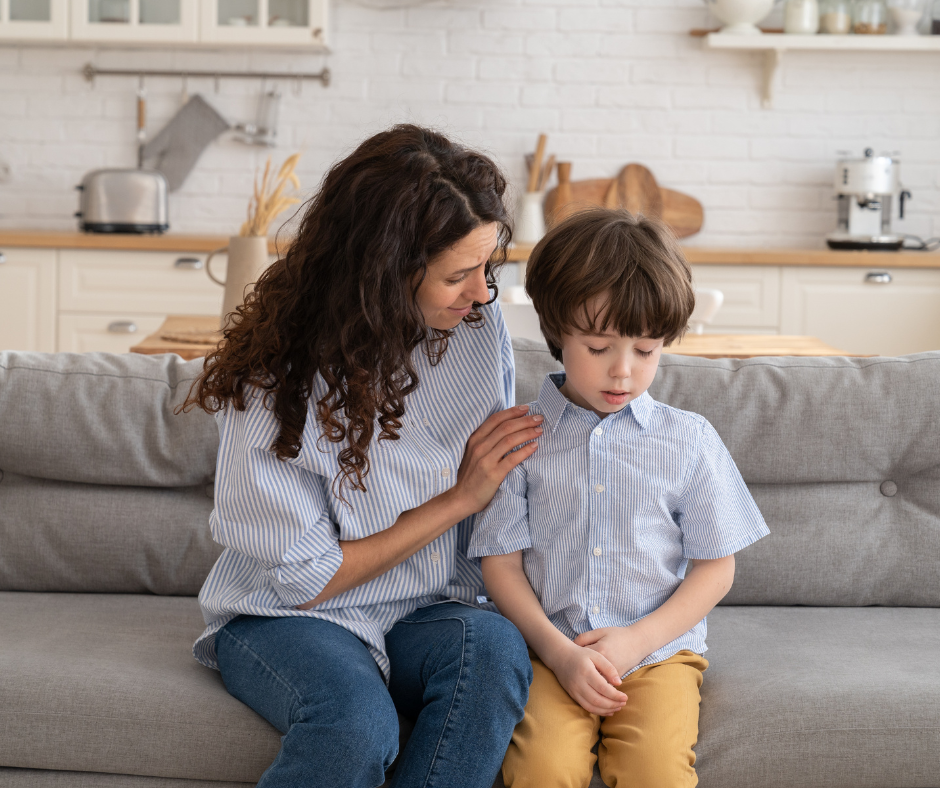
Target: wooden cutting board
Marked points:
635	189
683	214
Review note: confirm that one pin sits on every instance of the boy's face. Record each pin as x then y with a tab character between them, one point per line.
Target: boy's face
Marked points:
606	371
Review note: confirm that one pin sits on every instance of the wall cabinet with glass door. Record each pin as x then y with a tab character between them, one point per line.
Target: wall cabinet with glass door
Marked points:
301	22
157	21
215	22
34	20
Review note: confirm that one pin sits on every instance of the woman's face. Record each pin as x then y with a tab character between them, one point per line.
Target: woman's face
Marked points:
456	279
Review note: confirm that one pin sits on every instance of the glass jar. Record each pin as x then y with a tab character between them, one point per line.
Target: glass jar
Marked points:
870	17
801	17
835	17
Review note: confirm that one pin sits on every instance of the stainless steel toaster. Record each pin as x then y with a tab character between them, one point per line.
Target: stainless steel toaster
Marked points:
123	201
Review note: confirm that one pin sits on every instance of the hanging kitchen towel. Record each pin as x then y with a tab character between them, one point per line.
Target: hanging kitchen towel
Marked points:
175	150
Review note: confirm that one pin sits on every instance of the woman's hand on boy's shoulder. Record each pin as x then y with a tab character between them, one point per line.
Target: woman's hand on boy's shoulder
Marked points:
623	647
489	455
590	679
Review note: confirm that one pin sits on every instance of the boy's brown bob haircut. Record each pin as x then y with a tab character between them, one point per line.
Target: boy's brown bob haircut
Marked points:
633	263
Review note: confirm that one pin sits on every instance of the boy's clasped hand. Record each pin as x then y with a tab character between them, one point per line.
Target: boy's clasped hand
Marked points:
588	675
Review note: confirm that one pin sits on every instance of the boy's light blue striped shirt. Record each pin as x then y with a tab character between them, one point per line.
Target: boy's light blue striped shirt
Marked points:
280	524
608	512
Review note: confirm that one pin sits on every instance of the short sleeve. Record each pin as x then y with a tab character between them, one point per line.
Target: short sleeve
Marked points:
272	511
503	526
716	513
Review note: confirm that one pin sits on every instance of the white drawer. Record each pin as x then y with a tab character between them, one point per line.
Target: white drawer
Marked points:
110	333
139	282
752	294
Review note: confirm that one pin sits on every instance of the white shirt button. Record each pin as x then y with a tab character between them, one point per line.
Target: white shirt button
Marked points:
445	472
595	610
426	422
598	488
598	551
598	431
435	557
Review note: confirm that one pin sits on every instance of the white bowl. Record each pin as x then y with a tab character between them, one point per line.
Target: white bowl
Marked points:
740	16
905	20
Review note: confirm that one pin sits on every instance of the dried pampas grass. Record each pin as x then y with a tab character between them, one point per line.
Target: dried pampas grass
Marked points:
265	205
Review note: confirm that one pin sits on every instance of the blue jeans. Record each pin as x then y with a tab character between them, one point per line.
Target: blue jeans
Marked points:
460	673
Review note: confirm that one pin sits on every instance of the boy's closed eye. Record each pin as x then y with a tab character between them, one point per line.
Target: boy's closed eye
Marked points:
599	351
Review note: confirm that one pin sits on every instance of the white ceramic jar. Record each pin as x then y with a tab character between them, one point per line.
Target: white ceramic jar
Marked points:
801	17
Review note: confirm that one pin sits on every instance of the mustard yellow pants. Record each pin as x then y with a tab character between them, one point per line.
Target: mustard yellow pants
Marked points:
647	744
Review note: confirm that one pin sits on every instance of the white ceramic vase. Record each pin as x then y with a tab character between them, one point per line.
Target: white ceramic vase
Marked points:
247	259
740	16
530	218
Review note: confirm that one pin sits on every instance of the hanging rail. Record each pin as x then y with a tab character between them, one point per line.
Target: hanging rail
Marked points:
90	71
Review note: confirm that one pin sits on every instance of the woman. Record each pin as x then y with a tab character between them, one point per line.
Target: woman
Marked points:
362	398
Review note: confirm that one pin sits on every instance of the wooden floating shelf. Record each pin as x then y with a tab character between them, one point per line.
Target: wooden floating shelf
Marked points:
774	45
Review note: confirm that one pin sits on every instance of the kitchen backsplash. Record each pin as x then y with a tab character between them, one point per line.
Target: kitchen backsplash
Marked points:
610	81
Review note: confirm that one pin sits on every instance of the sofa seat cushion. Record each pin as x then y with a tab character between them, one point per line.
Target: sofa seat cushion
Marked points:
828	697
822	697
108	683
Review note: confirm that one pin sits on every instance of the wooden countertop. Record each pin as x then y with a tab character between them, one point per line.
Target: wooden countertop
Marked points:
40	239
193	336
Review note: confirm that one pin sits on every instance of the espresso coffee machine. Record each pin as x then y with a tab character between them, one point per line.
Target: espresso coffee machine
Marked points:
866	190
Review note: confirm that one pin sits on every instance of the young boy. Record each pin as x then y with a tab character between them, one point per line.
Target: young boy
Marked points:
610	544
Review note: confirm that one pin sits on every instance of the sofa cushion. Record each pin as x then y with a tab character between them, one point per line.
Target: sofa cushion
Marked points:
822	697
842	456
41	778
68	536
107	683
103	418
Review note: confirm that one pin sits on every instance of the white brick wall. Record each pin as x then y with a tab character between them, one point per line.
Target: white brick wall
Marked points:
610	81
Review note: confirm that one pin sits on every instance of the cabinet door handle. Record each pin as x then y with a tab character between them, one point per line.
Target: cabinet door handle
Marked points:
878	278
122	327
189	263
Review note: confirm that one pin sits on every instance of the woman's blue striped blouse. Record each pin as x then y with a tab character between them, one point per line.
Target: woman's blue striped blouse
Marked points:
280	523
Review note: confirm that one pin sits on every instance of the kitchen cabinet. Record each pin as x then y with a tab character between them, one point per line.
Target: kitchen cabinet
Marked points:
874	310
34	20
279	22
81	300
126	21
110	300
108	333
264	23
27	299
752	297
137	282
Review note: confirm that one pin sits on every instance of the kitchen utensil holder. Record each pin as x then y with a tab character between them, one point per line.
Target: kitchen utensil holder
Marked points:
530	220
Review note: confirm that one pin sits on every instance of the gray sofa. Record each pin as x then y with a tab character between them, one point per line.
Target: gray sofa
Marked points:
825	657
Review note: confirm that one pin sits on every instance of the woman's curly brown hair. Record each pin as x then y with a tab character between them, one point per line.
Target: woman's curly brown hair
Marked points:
341	303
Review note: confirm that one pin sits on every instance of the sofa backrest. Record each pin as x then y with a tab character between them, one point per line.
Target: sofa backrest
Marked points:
104	489
842	455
